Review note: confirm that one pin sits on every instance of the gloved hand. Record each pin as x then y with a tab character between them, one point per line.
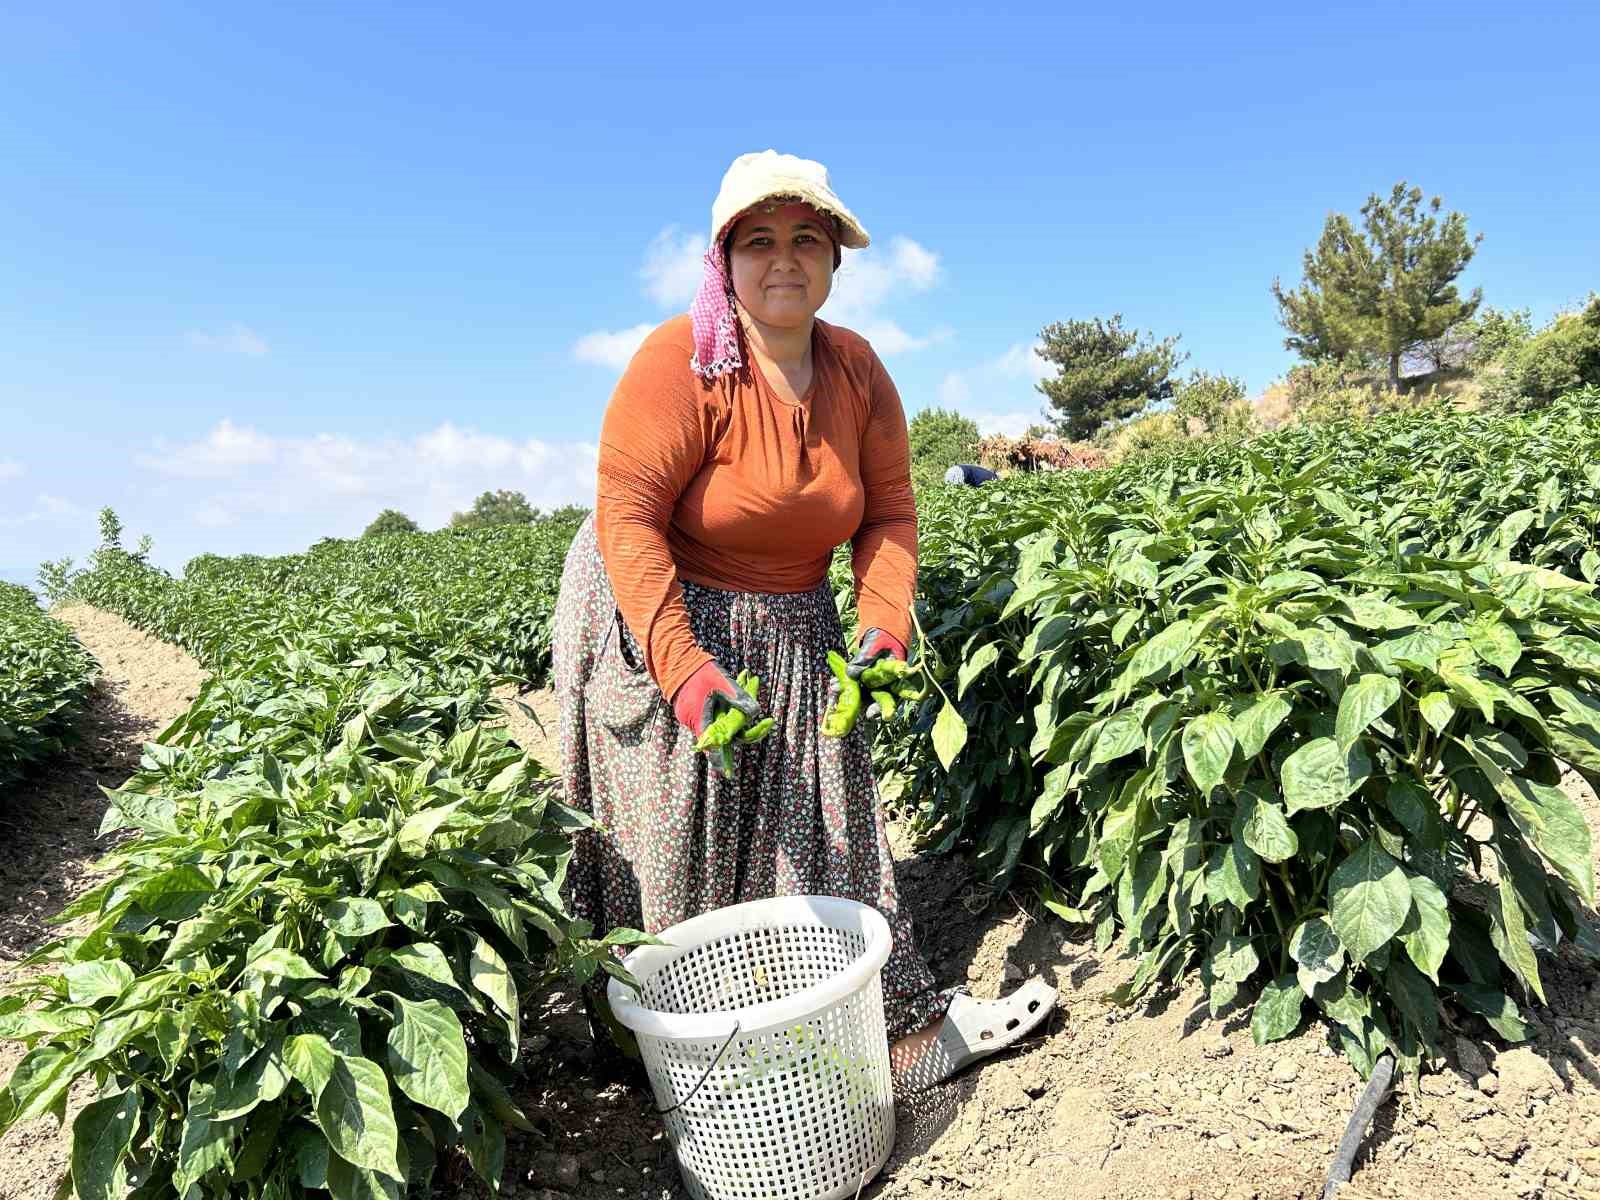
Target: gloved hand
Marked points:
705	696
876	645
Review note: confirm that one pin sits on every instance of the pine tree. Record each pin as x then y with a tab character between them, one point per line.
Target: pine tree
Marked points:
1104	373
1380	293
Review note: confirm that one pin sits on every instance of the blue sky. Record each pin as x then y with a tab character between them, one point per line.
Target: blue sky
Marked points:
266	272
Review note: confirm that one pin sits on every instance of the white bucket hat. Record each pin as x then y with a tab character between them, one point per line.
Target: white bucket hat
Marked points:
764	175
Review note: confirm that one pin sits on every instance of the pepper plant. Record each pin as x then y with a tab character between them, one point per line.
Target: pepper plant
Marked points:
1289	716
45	676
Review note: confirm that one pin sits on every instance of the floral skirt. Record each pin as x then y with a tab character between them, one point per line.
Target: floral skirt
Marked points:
799	817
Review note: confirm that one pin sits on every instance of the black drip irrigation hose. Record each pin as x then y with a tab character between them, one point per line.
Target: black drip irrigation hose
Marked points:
1376	1093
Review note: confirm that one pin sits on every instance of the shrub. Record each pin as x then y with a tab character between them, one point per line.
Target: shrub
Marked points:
1213	405
939	440
389	521
1560	357
1143	435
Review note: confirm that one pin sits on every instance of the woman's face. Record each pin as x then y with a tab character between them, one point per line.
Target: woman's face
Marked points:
782	263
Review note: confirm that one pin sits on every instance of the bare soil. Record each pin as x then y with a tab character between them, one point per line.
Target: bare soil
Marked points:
50	843
1154	1103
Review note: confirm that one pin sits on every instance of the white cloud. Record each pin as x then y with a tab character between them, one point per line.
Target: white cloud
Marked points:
870	279
10	468
994	392
45	508
238	478
237	339
673	265
608	349
223	452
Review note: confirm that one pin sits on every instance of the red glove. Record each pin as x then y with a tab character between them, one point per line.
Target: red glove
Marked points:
706	693
875	644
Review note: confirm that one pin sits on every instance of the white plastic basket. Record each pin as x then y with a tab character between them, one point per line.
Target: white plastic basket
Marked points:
762	1031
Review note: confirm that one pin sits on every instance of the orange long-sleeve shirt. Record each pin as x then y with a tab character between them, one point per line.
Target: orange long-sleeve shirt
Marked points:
728	485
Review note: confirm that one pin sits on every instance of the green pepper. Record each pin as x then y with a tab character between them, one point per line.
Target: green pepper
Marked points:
904	681
730	725
840	718
885	703
722	730
885	673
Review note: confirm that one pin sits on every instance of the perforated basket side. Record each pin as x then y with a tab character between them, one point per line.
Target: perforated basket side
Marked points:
803	1112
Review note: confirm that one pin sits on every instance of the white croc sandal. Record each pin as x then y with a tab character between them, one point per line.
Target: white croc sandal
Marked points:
975	1029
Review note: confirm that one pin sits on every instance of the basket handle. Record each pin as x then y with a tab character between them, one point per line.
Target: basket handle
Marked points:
726	1043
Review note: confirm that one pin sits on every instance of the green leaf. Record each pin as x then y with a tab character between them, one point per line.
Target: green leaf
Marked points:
203	1145
1509	932
1264	828
1317	775
1167	648
424	968
981	660
1207	747
1437	709
260	1143
1122	733
1233	958
491	976
198	932
949	734
355	1114
349	1182
1497	644
1368	899
1316	950
1255	725
1554	823
97	979
1495	1007
1413	995
1371	612
262	1080
1426	932
1365	700
1233	875
37	1082
421	825
310	1060
1324	650
1121	824
175	894
428	1055
356	916
1580	653
100	1137
1277	1011
281	963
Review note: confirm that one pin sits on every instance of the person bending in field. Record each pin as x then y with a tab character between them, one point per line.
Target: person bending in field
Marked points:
746	440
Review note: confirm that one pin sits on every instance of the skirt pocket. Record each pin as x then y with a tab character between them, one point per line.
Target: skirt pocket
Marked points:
620	692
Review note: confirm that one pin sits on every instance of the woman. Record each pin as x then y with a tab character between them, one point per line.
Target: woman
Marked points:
743	443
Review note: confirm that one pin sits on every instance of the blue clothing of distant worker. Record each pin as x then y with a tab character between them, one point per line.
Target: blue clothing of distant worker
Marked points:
971	476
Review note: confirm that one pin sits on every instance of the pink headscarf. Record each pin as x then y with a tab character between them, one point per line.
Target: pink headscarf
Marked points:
711	316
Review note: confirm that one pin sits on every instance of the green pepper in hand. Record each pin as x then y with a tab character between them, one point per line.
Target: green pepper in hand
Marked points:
841	716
